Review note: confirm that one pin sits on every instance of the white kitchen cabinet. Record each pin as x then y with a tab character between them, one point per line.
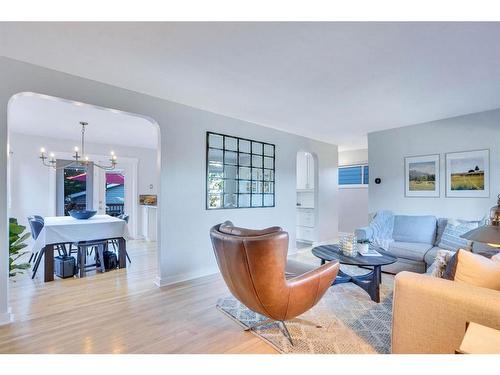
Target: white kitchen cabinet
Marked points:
305	217
305	171
306	207
149	217
306	234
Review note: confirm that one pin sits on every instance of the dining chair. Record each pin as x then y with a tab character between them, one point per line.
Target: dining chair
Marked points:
114	243
40	218
36	223
36	227
83	250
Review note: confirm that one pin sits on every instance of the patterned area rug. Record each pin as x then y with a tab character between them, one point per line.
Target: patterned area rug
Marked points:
345	321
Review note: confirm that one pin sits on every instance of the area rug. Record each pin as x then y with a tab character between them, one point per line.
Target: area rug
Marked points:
345	321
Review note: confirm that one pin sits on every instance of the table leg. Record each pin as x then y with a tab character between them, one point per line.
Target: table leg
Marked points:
48	255
369	282
122	251
83	260
100	249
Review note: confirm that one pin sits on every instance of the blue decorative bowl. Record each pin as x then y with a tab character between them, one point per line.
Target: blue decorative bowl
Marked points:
82	214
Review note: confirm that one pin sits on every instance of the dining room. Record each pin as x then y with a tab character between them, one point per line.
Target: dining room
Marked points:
76	173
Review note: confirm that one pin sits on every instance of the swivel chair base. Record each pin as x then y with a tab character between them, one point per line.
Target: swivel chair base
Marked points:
281	326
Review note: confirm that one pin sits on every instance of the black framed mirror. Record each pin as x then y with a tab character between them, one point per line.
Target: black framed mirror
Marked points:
240	172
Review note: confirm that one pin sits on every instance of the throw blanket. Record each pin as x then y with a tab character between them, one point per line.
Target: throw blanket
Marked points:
382	226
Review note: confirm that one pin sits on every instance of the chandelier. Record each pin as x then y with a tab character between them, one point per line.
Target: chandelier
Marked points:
81	160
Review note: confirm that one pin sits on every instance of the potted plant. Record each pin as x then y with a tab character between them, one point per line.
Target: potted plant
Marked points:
16	244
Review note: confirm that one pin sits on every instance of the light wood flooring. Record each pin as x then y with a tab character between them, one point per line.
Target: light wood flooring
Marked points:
123	311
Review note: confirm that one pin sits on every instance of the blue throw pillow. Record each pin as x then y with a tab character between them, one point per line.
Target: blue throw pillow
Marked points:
451	240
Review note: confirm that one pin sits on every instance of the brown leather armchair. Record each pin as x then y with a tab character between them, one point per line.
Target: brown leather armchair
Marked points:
253	264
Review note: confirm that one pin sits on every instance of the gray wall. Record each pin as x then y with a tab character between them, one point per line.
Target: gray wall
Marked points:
184	245
387	149
353	201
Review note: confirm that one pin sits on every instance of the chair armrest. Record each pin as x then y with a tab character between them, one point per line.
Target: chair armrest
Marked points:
429	313
307	289
364	234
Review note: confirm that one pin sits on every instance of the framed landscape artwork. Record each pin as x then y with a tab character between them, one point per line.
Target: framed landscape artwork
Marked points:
422	176
468	174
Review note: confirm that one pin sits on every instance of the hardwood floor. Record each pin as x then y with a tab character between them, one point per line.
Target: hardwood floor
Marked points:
123	312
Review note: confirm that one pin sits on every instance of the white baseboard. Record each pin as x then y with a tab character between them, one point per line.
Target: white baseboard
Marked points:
6	317
313	244
159	282
175	279
327	242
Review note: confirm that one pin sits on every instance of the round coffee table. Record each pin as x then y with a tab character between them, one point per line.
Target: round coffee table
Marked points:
369	282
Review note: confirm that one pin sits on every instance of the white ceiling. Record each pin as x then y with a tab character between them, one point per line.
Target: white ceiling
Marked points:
330	81
51	117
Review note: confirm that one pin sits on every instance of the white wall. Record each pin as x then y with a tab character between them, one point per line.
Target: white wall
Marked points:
32	184
185	249
353	201
353	157
187	236
387	150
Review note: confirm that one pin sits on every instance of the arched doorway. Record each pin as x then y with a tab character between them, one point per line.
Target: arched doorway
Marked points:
306	206
36	120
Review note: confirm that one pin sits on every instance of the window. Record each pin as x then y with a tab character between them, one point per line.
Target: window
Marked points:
115	193
75	189
240	172
353	176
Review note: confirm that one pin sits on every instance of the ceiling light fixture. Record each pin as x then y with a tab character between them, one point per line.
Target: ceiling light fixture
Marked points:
81	160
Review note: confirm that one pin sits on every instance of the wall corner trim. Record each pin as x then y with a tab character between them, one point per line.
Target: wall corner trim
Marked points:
175	279
6	317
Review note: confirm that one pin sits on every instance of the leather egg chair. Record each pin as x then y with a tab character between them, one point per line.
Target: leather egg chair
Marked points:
254	266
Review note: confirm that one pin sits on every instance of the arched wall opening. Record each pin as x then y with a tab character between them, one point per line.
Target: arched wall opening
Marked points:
307	199
35	120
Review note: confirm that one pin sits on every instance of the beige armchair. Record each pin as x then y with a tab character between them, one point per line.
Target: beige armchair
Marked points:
429	314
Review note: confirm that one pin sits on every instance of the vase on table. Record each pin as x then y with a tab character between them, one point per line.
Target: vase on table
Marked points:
348	244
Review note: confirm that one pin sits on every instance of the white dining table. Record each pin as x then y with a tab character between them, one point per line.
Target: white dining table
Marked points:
66	229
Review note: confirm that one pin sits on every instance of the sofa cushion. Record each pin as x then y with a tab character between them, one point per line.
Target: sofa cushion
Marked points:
414	229
469	268
441	225
409	250
451	240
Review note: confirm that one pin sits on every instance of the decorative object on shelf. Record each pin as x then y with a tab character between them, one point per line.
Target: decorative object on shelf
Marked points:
82	214
489	233
348	244
422	176
16	244
148	200
468	174
240	172
81	159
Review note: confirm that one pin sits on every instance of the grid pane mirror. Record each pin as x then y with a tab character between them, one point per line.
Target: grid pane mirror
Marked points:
240	172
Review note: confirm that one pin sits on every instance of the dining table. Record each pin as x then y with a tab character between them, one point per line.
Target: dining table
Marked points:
59	230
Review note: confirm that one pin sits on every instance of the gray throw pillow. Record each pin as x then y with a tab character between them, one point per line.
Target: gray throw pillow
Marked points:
441	225
451	268
451	240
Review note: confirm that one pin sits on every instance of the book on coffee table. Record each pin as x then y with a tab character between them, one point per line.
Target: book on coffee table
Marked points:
371	253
